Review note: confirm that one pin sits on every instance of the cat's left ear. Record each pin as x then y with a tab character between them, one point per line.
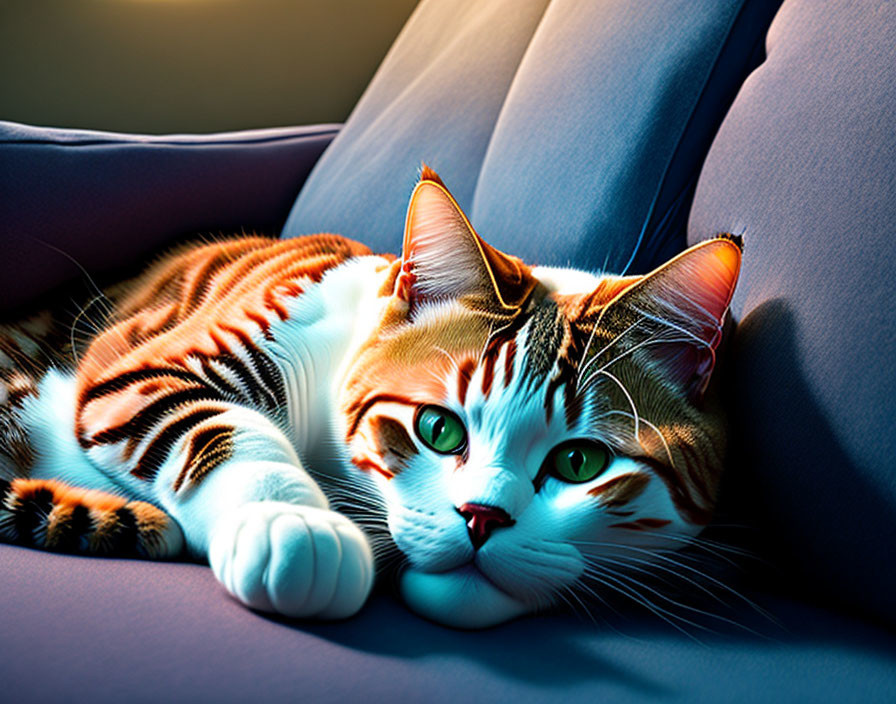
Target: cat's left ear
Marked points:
675	313
443	258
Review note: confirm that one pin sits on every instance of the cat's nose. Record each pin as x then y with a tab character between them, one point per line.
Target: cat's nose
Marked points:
482	520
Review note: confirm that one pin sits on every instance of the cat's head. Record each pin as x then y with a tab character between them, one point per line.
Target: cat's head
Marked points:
526	425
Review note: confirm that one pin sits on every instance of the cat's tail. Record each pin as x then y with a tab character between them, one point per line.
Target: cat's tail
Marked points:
47	514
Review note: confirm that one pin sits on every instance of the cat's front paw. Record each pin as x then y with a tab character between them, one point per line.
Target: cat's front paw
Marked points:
298	561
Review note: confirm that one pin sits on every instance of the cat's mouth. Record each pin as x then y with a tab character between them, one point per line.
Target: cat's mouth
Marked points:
464	597
473	571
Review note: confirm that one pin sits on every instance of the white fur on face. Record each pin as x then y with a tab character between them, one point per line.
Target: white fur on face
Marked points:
560	528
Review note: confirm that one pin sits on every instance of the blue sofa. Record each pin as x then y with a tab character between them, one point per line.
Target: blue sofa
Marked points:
599	133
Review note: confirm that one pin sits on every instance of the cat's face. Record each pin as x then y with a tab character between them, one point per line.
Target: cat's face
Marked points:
530	430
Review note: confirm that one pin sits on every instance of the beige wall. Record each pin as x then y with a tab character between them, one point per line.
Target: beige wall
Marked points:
161	66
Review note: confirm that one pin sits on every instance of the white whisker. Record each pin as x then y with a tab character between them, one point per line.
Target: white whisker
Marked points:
673	602
628	590
631	401
612	342
696	339
666	558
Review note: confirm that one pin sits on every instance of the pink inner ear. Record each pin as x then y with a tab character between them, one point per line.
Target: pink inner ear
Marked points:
440	257
712	270
692	292
687	366
433	221
697	287
444	258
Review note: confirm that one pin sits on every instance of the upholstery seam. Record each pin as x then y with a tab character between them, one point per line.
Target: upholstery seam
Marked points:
168	143
684	128
501	110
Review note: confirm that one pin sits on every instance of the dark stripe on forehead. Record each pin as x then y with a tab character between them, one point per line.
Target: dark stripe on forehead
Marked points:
508	362
553	385
464	374
572	403
546	331
488	373
565	377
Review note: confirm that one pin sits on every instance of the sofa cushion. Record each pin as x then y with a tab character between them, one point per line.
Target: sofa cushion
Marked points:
435	97
102	199
570	132
804	167
89	629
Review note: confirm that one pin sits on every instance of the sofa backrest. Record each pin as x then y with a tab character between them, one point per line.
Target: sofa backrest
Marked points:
571	132
81	203
805	165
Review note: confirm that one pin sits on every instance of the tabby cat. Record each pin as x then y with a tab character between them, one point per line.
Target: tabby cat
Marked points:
506	427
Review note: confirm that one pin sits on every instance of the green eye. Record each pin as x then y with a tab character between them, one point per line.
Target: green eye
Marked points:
579	461
440	429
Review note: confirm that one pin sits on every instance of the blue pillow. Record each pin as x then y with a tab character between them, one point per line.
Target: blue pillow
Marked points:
103	200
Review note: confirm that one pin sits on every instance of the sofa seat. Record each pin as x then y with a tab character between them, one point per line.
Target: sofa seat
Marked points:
100	630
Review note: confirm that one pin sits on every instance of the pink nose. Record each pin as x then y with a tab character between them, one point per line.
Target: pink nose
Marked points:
482	520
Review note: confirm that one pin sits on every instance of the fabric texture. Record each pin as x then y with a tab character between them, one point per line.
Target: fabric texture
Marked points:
78	200
88	629
803	167
570	132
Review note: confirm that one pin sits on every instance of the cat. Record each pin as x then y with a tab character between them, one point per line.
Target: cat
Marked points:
507	428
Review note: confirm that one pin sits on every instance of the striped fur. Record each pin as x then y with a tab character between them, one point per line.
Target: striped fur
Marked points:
185	352
50	515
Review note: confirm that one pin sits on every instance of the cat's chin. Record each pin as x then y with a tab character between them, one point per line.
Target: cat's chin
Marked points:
461	598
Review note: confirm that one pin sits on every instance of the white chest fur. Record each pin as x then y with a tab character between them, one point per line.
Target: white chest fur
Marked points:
312	346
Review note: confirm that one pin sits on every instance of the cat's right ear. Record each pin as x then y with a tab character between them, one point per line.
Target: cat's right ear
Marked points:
444	259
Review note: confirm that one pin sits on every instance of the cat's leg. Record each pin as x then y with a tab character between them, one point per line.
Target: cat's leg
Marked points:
237	488
233	482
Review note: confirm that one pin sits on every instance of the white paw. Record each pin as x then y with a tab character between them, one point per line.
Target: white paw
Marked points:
298	561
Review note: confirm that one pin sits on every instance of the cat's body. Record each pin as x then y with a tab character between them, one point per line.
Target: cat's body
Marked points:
507	427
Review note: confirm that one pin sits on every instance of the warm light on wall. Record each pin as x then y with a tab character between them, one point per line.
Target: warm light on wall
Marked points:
190	65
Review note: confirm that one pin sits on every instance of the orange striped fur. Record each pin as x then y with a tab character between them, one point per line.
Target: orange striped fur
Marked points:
50	515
